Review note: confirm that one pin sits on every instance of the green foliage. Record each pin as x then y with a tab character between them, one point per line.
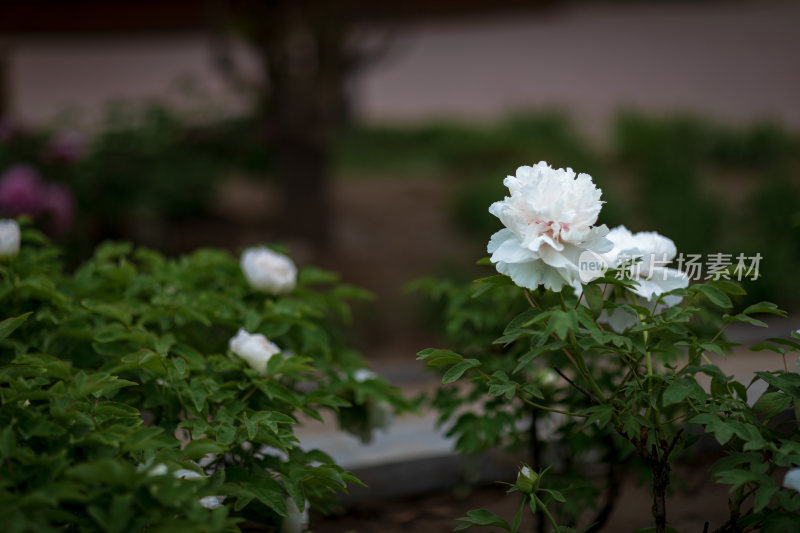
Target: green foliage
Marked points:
117	379
639	397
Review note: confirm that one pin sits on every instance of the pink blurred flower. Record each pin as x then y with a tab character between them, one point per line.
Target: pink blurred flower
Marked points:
21	191
67	145
59	205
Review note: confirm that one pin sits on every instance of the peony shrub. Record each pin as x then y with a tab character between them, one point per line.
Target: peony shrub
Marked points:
630	343
147	393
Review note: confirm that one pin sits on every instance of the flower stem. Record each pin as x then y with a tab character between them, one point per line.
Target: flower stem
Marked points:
646	335
530	298
540	505
248	394
551	409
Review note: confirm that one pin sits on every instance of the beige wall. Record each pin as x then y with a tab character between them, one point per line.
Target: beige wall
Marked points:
737	61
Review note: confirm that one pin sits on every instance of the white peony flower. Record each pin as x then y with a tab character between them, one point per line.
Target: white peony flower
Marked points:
296	521
380	415
9	238
792	479
549	221
209	502
256	349
158	470
269	271
653	278
362	374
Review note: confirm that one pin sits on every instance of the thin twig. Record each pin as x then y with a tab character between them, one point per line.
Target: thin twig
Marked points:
581	389
530	299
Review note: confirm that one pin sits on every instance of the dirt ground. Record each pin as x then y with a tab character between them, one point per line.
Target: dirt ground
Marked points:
688	509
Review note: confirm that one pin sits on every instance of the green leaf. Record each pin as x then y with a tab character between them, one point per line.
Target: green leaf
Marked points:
8	325
729	287
737	477
713	347
770	404
8	442
744	318
722	431
561	323
226	434
489	283
763	497
536	352
295	489
557	496
198	448
436	358
457	370
500	385
764	307
601	414
112	250
593	296
715	295
679	389
482	517
141	437
117	311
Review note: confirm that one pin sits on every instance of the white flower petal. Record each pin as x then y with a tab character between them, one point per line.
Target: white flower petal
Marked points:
9	238
362	374
212	502
255	349
548	221
618	319
792	479
505	246
296	521
663	280
269	271
209	502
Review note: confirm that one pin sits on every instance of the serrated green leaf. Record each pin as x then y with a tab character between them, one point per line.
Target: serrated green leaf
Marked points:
457	370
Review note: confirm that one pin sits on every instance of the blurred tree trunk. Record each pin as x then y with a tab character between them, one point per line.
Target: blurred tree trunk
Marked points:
5	80
302	48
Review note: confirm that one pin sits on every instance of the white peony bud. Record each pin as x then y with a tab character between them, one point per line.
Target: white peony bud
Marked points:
9	238
526	480
269	271
296	521
255	349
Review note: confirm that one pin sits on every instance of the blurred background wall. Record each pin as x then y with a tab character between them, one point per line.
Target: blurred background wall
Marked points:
736	61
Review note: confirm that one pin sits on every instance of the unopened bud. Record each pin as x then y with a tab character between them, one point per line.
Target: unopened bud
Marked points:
527	480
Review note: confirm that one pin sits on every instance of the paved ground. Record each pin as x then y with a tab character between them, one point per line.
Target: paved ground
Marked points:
735	60
415	437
